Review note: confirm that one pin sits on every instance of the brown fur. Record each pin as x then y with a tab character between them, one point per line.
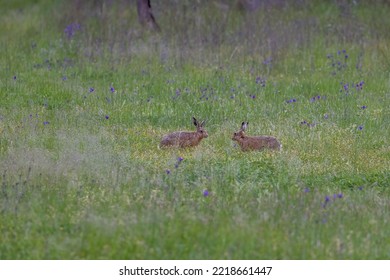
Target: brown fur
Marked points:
249	143
184	139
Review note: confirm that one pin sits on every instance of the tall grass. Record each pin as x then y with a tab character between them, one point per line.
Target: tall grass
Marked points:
86	95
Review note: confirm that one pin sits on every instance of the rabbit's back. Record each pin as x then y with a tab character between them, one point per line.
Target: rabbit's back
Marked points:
259	143
180	139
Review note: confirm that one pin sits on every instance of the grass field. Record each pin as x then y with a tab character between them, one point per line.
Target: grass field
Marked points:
86	95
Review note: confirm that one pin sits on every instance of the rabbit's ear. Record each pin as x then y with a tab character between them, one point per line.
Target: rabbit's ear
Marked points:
195	121
244	126
202	123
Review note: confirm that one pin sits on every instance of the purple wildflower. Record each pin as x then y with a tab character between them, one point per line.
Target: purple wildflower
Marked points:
91	89
179	160
71	29
314	98
363	107
359	86
45	123
107	117
260	81
112	89
206	193
326	116
360	127
327	200
293	100
14	77
168	171
306	190
267	61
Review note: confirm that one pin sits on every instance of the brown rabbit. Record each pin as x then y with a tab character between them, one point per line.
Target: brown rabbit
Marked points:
183	139
248	143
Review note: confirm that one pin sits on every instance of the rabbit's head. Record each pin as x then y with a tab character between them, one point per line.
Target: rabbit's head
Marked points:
200	128
239	135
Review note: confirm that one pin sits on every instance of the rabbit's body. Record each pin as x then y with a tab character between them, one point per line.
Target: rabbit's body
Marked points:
183	139
258	143
249	143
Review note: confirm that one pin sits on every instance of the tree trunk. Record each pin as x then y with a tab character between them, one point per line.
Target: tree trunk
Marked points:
145	15
248	5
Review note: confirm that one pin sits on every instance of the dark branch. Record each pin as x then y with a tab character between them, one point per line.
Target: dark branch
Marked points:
145	15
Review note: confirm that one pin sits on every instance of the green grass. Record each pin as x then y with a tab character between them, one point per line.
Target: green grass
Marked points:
82	176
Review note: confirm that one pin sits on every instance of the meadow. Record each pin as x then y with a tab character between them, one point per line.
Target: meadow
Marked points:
86	95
